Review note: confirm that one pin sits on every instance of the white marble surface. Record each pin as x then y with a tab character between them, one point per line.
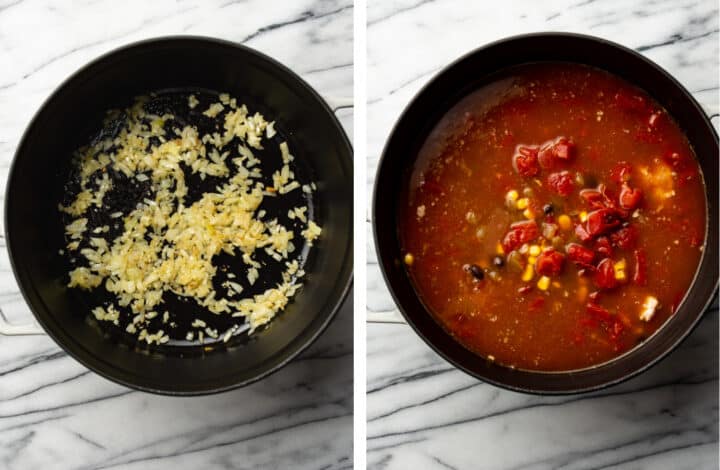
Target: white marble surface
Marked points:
421	412
54	413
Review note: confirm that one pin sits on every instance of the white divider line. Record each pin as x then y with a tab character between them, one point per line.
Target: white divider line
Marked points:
360	255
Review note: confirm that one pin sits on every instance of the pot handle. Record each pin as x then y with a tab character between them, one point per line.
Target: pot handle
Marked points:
387	316
8	329
337	103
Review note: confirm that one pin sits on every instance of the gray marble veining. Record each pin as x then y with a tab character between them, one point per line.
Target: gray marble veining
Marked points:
423	413
54	413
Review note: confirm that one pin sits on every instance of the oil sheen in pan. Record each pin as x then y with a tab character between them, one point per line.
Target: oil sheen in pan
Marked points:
127	192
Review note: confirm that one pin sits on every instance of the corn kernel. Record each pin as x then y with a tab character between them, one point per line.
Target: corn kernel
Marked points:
529	273
543	283
556	284
511	197
499	249
528	214
619	269
565	222
583	216
532	259
534	250
523	203
409	259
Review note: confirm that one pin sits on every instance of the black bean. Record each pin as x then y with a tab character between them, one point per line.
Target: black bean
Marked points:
476	271
548	209
498	261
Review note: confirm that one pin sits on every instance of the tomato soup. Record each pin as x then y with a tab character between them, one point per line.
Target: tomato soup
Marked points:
554	219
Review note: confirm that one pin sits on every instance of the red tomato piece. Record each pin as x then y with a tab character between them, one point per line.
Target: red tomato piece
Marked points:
546	156
549	262
561	182
520	232
640	276
555	152
605	275
564	149
593	198
602	246
579	254
525	160
630	197
608	196
602	221
600	198
611	324
625	238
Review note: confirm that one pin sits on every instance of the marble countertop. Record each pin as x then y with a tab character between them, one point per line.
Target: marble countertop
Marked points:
423	413
54	413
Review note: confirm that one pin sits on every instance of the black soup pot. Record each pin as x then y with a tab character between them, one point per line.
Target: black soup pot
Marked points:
464	76
34	231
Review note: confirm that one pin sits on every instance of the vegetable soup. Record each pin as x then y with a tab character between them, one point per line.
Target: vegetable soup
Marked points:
554	218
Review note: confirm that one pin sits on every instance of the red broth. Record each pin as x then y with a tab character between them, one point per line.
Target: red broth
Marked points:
555	218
